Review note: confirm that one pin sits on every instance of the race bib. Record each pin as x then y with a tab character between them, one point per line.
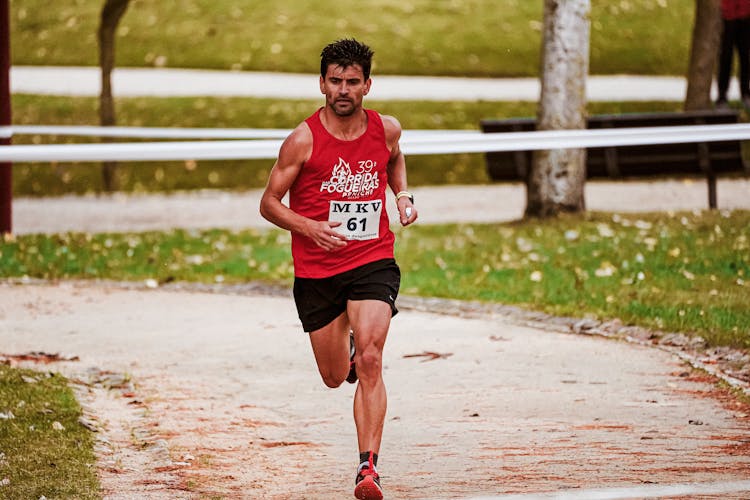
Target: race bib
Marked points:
360	220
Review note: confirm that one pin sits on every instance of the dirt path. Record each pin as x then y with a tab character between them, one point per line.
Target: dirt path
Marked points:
202	395
205	395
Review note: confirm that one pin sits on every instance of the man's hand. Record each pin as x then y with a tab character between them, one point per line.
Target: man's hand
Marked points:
322	233
407	211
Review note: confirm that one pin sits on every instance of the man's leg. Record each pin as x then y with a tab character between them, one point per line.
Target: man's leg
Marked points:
743	55
726	54
370	320
330	345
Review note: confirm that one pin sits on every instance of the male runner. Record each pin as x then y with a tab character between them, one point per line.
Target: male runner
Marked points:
335	166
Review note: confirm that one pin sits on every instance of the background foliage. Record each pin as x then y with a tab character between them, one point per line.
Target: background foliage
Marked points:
410	37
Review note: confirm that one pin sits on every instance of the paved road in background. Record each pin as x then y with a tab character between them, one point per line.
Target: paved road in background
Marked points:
436	204
127	82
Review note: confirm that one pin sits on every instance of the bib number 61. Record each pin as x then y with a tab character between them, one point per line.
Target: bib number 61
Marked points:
360	220
353	224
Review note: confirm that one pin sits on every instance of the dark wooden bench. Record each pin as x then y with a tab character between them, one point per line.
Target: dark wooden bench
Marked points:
666	160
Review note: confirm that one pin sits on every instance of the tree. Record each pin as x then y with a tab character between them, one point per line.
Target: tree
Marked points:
705	45
112	12
6	168
557	177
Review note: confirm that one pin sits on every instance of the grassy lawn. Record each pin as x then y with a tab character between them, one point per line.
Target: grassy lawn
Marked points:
44	451
55	179
687	272
413	37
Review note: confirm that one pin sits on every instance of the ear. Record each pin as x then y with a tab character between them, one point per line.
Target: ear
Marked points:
367	86
322	86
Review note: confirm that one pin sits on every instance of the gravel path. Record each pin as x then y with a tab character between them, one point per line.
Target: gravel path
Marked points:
213	393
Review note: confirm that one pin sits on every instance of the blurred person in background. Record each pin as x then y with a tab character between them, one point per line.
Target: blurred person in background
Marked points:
735	34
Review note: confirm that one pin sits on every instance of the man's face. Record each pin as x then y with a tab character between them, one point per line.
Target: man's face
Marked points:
344	88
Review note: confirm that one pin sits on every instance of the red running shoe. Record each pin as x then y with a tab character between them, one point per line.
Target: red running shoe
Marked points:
368	482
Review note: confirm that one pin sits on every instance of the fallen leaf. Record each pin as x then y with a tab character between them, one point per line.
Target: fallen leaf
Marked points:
38	357
429	355
275	444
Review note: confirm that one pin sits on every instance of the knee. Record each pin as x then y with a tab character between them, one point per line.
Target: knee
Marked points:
369	363
331	381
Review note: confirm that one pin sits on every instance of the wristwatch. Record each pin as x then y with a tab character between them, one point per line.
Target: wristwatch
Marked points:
401	194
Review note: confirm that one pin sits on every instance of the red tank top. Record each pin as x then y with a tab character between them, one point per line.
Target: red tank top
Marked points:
343	181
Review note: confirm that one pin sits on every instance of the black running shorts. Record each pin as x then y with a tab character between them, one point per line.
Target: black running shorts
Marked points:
321	300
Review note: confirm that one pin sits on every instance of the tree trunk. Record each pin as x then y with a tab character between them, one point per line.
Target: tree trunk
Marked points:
703	52
557	177
112	12
6	168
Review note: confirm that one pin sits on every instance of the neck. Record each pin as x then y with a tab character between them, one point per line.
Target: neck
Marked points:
344	127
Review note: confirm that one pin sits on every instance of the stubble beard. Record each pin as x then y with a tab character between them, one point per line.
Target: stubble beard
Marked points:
345	111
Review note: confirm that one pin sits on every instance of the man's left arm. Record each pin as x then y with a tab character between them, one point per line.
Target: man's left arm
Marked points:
397	171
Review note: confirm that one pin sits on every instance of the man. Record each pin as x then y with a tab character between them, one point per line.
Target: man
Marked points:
336	165
735	34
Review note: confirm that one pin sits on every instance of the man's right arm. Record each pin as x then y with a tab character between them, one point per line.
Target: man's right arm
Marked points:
294	152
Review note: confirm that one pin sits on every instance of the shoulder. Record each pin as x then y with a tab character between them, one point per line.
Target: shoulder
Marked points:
392	129
300	136
298	145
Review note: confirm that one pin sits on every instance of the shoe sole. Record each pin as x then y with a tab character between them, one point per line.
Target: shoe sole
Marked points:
368	489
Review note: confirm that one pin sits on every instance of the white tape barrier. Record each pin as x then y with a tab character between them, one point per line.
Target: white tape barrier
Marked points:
173	132
149	132
448	142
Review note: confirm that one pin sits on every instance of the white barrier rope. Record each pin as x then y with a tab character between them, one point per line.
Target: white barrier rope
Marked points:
150	132
444	142
172	132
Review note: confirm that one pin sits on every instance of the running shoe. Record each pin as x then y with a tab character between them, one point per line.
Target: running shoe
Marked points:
352	377
367	483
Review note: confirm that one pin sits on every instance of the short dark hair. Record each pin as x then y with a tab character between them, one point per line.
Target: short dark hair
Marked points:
345	53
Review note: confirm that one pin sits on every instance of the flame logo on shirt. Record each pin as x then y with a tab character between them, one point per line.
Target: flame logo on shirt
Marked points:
341	172
349	185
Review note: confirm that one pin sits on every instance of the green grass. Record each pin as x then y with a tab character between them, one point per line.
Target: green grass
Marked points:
37	456
420	37
56	179
687	272
681	272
